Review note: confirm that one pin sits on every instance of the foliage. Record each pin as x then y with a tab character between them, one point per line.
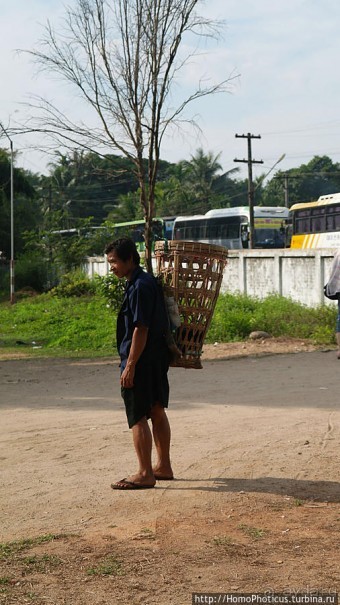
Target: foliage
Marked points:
112	289
4	280
86	325
27	210
67	249
31	271
237	315
87	184
59	326
128	209
84	188
306	183
75	283
194	187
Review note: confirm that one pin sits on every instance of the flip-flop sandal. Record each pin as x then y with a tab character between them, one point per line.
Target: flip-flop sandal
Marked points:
161	478
124	484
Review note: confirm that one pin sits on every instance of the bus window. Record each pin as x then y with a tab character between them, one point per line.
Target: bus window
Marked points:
302	225
318	224
223	228
330	223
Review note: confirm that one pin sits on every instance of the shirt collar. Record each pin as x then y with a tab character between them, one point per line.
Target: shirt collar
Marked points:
137	271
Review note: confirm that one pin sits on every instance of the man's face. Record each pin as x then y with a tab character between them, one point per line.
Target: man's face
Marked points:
121	268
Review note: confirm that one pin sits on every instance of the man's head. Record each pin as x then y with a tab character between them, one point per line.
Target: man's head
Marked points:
123	257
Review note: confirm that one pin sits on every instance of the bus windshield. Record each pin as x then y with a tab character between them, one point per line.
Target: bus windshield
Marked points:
269	238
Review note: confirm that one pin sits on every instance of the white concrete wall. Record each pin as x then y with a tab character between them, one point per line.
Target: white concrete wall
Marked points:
96	265
296	274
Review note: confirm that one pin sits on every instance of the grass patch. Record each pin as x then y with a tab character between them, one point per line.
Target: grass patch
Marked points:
50	325
85	326
40	563
253	532
9	549
222	541
110	566
298	502
237	315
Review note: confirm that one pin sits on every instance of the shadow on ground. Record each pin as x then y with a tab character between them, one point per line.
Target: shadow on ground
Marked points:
319	491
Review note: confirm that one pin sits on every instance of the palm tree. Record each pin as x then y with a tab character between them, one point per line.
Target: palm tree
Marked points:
208	189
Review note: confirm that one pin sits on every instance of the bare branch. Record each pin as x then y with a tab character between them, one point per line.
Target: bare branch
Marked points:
123	58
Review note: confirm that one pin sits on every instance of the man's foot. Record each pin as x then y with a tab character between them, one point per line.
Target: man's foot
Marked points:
135	482
124	484
163	474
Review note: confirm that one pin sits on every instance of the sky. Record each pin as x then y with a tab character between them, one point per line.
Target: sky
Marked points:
282	57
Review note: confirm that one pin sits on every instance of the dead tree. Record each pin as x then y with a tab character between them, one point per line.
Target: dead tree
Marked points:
123	57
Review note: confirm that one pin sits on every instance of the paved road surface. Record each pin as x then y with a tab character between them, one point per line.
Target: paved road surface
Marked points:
301	379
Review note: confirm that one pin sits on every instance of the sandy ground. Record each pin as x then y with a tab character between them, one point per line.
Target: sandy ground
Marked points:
254	506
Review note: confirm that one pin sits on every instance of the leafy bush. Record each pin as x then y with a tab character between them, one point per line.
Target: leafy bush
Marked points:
31	270
4	281
112	289
74	283
237	315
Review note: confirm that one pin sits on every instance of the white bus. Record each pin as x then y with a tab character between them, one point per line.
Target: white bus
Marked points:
229	227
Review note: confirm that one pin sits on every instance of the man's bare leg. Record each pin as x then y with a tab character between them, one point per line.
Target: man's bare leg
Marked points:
162	436
142	441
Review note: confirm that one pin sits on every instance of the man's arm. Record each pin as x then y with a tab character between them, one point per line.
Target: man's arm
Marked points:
139	338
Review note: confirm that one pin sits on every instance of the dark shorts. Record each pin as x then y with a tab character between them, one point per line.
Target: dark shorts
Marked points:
150	386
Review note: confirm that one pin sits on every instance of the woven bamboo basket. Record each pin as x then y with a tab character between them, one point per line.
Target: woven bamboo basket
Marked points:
192	273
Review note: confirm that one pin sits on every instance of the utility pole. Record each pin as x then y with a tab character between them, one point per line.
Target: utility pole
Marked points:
11	266
250	163
286	190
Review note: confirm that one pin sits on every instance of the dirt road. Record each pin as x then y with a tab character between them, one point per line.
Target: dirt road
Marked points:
255	503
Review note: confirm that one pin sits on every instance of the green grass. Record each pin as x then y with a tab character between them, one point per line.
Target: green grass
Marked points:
110	566
253	532
237	315
222	541
40	563
86	326
58	326
9	549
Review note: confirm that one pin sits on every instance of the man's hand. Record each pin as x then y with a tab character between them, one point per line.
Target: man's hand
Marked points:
127	377
139	338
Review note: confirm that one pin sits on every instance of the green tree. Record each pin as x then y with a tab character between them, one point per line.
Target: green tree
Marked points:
195	186
27	213
88	185
306	183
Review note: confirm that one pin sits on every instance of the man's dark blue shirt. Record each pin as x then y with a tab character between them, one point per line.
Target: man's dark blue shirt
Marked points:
143	304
